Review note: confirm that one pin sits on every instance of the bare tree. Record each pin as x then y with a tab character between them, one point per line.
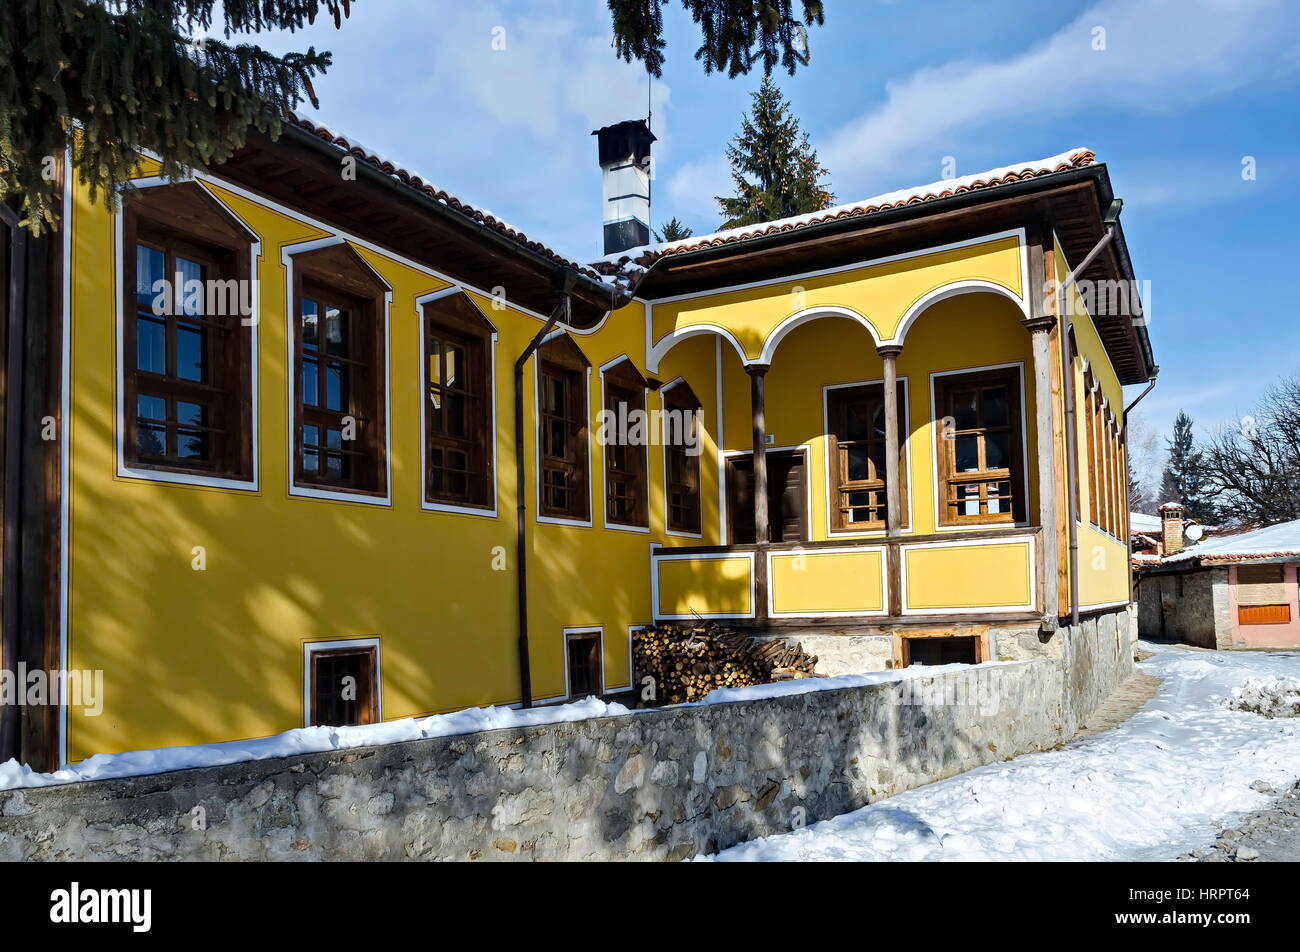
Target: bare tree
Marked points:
1252	469
1146	460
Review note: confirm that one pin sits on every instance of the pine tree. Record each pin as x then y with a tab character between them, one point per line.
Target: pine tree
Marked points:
109	78
1183	480
673	230
775	170
106	79
736	33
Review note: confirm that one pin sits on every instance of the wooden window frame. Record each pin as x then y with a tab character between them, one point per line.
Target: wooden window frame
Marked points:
1090	422
171	227
681	398
838	485
595	635
367	402
447	320
561	360
626	467
1014	475
369	703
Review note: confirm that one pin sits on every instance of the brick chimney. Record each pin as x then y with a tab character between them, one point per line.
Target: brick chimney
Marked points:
625	183
1171	528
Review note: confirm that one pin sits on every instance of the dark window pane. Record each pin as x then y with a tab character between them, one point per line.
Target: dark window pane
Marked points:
310	316
997	450
968	456
963	410
150	265
151	440
310	462
310	383
310	435
190	294
191	353
151	345
195	414
336	331
857	424
191	444
995	406
336	388
456	421
334	439
859	464
150	408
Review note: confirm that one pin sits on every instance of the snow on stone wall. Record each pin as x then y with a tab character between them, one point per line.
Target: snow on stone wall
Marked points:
664	784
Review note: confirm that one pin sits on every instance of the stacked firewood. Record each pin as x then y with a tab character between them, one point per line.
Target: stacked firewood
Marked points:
687	662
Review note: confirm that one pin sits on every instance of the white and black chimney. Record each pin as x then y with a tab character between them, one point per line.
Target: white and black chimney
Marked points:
625	183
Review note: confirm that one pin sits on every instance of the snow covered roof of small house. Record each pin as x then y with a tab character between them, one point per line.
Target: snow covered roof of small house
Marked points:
1279	541
626	264
1141	522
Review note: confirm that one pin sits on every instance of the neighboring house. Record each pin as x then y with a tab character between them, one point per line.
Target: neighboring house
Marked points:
1232	590
312	515
1144	533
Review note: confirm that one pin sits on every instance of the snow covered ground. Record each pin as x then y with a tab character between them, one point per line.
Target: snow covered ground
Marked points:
1158	786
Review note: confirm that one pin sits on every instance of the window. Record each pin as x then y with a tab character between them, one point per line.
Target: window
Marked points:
682	466
979	448
857	457
339	433
563	443
583	660
187	381
947	650
458	409
1262	595
343	685
625	447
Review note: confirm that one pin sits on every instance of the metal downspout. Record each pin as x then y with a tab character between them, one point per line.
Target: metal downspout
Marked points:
562	311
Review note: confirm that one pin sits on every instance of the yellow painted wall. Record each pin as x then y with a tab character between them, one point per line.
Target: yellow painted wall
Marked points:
203	656
706	586
1103	559
819	583
967	576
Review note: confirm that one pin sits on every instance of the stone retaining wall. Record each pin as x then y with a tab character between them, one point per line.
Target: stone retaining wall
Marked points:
657	785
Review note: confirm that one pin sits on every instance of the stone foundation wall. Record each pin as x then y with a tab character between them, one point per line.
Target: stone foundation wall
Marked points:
1191	607
656	785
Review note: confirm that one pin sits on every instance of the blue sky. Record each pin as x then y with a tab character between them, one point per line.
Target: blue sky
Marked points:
1179	96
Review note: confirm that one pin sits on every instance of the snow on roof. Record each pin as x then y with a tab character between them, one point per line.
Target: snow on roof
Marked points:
625	266
1272	542
1141	522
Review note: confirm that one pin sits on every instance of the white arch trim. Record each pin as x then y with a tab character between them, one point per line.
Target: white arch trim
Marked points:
658	352
972	286
803	317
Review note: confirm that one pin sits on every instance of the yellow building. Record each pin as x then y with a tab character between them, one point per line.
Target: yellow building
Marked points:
317	423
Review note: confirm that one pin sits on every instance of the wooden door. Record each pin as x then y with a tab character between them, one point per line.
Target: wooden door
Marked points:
787	497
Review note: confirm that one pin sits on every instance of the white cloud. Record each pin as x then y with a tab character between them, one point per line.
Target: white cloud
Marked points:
692	189
1159	57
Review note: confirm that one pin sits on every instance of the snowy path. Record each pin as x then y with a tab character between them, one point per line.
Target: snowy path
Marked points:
1158	786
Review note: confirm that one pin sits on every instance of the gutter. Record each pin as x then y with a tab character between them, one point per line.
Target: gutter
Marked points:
562	310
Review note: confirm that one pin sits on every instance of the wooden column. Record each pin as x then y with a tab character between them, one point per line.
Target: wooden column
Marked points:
893	500
1041	328
758	403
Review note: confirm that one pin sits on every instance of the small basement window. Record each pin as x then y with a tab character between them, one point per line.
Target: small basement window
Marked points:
932	651
343	686
584	665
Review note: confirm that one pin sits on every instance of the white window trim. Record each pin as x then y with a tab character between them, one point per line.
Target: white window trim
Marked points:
663	459
832	533
124	469
287	254
604	474
310	648
600	640
537	446
1027	522
481	511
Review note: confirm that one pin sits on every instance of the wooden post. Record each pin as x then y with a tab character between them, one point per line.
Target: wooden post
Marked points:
757	372
893	500
1040	328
